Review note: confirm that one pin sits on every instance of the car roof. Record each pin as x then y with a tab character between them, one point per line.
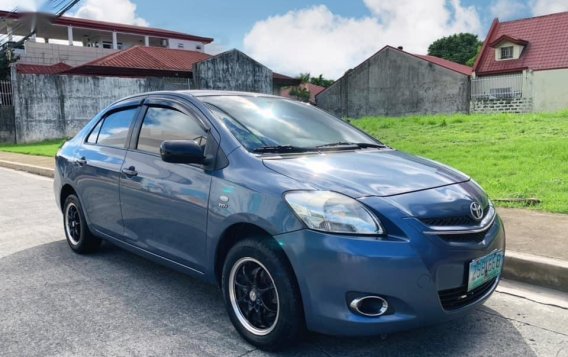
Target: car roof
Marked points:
198	93
206	93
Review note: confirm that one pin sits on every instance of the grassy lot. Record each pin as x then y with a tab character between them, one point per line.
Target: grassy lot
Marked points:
511	156
44	148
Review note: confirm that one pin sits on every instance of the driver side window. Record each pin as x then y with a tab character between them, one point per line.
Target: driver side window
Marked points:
168	124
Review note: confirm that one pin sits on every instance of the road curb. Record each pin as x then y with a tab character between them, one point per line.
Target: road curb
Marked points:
536	270
38	170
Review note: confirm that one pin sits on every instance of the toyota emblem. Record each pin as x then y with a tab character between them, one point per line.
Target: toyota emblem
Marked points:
476	210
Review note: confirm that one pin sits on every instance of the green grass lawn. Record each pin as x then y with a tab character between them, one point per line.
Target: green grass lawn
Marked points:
44	148
511	156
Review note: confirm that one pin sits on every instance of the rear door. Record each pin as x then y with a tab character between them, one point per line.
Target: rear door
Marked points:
98	168
164	205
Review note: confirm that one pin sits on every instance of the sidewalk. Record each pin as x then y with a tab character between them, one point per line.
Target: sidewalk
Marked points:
537	243
39	165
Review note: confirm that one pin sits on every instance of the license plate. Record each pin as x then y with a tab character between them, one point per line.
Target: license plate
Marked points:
483	269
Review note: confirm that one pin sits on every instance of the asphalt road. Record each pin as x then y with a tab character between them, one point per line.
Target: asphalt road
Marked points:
55	302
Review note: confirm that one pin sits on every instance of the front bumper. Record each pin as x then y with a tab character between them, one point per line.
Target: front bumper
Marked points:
408	273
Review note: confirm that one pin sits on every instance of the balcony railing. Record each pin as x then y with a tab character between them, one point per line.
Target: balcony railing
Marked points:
512	86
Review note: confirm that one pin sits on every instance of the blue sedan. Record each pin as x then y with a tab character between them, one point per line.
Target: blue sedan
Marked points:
305	222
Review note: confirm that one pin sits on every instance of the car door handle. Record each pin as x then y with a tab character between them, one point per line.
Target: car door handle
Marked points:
130	172
82	161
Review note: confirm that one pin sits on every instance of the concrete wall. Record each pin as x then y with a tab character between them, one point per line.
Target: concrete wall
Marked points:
7	125
232	70
550	90
49	107
395	83
512	105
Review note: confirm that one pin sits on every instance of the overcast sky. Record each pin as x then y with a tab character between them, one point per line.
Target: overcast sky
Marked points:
294	36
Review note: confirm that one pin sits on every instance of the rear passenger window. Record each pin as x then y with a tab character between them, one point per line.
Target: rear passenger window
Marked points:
92	139
115	127
168	124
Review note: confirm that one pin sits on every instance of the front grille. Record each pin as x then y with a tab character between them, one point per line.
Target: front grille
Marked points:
461	229
464	220
450	221
465	237
452	299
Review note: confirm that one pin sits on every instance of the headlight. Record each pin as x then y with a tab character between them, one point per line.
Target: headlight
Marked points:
332	212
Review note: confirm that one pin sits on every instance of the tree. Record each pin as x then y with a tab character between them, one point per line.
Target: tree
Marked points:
319	80
459	48
6	58
300	93
470	62
304	77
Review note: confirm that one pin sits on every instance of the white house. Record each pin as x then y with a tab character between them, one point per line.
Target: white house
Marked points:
76	41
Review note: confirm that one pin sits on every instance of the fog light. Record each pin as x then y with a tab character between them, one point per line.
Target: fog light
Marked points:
371	306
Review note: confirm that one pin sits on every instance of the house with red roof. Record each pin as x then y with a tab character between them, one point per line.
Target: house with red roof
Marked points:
75	41
523	66
143	62
72	68
393	82
75	46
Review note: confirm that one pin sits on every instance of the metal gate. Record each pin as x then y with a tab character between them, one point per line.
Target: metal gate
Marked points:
7	114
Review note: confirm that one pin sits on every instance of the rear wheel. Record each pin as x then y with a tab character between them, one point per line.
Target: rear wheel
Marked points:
261	295
80	239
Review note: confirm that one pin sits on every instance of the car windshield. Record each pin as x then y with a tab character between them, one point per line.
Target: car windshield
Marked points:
271	124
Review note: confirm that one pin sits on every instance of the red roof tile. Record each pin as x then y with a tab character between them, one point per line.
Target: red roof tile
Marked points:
39	69
506	38
143	61
456	67
453	66
314	88
547	47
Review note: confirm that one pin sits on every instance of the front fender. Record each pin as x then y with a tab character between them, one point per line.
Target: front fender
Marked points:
231	204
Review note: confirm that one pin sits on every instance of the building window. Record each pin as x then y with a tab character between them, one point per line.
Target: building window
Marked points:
108	45
507	52
180	45
198	47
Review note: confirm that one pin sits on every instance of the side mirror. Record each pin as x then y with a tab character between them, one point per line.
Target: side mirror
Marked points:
182	152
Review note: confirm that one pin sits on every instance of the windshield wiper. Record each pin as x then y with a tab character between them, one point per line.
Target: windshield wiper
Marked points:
348	144
281	149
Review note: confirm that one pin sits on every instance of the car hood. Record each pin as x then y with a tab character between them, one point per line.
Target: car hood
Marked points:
366	172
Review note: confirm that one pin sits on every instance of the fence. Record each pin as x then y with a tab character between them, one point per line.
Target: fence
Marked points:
7	117
502	94
5	93
499	87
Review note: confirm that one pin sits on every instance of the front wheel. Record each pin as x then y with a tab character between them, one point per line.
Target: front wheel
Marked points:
78	235
261	294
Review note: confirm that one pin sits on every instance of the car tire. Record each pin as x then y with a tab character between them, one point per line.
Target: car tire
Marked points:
78	235
257	278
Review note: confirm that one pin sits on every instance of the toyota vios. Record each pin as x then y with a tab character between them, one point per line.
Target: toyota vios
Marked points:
304	221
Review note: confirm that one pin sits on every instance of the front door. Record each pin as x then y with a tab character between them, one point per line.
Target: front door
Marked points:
164	205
